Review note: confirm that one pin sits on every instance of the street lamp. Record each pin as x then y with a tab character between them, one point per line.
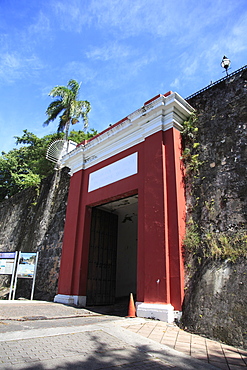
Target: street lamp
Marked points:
225	63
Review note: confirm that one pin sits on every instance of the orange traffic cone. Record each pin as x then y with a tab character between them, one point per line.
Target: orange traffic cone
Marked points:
132	310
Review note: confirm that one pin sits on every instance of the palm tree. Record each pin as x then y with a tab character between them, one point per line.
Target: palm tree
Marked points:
67	104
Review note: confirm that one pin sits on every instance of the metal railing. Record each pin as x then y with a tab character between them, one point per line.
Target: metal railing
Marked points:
216	82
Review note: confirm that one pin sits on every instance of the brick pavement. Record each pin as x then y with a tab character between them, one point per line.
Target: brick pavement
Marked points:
218	354
87	350
104	345
102	342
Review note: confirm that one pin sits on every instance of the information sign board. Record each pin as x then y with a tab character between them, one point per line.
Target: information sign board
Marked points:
26	269
7	267
7	262
26	265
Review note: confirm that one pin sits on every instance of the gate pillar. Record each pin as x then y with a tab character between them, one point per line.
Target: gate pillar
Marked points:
161	218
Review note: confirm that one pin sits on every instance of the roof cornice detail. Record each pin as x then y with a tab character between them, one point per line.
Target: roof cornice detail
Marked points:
160	114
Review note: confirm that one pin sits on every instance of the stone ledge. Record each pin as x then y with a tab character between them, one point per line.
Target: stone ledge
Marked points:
162	312
71	300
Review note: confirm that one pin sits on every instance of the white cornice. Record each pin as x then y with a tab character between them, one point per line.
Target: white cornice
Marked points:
162	113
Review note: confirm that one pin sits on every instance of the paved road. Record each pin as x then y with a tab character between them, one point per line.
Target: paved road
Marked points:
86	342
7	326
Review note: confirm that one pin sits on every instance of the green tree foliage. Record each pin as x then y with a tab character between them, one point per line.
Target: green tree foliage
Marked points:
27	166
67	107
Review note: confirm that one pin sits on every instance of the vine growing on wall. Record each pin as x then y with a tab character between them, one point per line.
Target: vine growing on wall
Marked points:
201	242
190	146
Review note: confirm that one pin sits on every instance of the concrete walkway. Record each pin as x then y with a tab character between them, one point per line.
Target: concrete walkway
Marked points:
54	336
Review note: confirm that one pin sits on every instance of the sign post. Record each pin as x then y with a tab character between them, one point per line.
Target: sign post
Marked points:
34	274
26	269
7	266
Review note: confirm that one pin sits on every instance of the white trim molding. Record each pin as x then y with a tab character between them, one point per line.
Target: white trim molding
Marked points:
161	114
162	312
71	300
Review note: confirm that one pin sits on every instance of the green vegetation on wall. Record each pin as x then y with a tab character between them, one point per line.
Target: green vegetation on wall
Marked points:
190	147
201	242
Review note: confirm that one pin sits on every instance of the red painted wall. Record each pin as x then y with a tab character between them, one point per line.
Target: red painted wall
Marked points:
161	208
70	234
153	276
175	220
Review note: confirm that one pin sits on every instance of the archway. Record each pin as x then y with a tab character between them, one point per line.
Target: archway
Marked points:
112	264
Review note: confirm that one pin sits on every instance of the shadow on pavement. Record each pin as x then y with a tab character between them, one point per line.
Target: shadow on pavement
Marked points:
98	354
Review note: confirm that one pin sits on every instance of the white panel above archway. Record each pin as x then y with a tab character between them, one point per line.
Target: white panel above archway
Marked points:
116	171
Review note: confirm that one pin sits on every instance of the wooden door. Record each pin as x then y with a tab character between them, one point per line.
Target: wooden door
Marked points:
102	258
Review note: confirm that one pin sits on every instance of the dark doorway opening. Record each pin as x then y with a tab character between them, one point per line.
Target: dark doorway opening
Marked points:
101	280
112	263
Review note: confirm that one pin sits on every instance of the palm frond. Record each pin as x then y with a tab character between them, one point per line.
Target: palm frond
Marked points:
81	106
74	87
60	92
67	104
53	110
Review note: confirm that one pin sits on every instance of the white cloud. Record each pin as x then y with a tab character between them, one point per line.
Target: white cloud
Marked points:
10	67
14	66
122	18
72	15
176	18
41	26
178	22
133	17
175	84
10	61
236	40
191	67
229	41
139	63
110	51
81	70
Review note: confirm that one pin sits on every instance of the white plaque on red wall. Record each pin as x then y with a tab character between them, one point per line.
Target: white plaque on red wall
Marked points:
116	171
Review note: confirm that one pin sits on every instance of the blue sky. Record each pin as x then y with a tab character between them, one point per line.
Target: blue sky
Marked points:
123	51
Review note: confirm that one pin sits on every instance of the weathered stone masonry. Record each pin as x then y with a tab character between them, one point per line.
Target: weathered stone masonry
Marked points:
30	222
222	123
216	295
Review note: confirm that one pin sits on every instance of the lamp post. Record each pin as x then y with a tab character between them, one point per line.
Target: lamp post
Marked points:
225	63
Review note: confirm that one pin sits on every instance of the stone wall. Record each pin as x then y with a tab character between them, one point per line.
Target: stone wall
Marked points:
222	123
216	287
31	221
215	304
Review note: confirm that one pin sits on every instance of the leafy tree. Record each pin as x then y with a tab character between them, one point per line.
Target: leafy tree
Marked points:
13	172
68	106
79	136
27	166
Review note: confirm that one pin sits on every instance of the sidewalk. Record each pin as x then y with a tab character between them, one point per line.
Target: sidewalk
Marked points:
117	343
33	310
213	352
